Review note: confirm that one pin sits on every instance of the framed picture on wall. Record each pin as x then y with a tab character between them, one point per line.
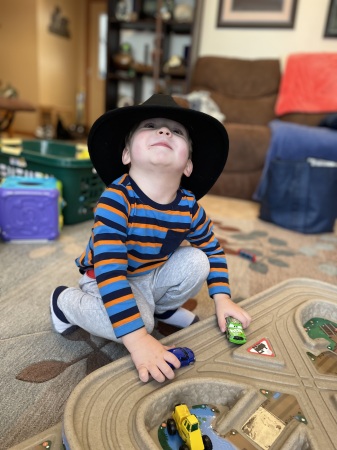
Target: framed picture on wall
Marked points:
257	13
331	22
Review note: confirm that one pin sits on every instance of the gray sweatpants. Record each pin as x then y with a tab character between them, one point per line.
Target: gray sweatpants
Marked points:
163	289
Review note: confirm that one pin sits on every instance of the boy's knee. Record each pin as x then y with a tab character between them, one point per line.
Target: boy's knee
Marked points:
203	263
200	258
198	261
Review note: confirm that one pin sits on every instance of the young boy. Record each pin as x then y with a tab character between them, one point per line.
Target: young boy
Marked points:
157	159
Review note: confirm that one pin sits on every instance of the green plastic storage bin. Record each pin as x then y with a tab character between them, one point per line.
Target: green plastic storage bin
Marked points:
34	158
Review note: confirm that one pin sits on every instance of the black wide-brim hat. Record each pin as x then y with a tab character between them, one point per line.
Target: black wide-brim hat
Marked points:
106	141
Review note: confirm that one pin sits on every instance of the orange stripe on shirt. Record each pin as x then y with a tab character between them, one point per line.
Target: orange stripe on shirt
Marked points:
121	181
113	210
196	214
218	284
111	280
127	320
218	269
150	227
118	300
121	193
205	244
117	191
202	224
144	261
110	261
109	242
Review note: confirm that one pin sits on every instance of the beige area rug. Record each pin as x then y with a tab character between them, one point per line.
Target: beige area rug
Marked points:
39	369
280	254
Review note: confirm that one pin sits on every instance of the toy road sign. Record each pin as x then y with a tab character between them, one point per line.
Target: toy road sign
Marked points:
263	347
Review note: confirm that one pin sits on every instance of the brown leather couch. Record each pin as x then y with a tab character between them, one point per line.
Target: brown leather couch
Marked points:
246	92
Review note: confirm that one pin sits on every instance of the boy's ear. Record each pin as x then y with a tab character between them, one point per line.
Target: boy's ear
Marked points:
188	168
126	156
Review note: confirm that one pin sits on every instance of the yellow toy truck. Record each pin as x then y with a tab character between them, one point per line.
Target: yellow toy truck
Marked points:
188	428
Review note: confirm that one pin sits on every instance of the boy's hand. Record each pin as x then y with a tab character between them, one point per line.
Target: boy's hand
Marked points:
225	307
149	356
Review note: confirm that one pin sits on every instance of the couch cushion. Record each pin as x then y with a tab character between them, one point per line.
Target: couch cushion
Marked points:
236	185
248	146
245	90
256	111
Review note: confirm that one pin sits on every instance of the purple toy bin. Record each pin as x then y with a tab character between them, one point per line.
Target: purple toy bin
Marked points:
30	208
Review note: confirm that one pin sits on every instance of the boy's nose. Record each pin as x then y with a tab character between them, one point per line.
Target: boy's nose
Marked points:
164	130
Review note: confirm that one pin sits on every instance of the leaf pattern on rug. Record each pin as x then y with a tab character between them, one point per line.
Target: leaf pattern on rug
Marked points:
43	371
47	370
266	249
273	251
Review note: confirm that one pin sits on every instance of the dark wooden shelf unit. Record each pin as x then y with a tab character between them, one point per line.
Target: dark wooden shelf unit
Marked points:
162	44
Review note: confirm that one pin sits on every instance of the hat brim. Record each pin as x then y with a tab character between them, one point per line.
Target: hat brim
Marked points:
106	142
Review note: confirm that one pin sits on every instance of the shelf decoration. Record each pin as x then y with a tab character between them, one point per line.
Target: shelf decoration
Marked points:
59	24
125	12
123	59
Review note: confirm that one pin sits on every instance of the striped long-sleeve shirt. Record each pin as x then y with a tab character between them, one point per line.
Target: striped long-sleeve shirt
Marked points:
133	235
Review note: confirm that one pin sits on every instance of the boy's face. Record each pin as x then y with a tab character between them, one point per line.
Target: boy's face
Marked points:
159	143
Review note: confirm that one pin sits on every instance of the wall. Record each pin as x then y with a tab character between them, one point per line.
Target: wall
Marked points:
47	69
19	53
59	58
306	36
